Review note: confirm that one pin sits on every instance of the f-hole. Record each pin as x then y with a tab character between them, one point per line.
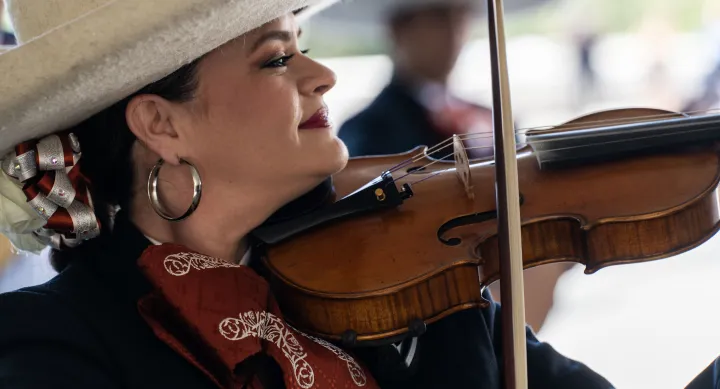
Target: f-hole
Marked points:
466	220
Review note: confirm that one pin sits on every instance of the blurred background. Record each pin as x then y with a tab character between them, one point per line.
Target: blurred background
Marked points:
652	325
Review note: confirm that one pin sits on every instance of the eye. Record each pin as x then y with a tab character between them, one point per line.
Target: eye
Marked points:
281	61
278	62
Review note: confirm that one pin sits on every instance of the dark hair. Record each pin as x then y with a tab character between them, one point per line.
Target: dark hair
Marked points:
106	142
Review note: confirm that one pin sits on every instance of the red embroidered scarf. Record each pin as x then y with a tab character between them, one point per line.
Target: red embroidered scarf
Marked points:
217	315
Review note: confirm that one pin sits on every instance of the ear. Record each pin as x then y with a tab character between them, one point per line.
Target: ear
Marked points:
150	117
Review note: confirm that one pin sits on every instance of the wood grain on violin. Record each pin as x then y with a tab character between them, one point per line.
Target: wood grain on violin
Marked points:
374	274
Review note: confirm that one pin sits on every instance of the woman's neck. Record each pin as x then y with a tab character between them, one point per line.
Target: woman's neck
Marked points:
224	218
242	256
212	230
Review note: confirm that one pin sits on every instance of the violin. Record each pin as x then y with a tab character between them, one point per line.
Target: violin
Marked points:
398	242
584	199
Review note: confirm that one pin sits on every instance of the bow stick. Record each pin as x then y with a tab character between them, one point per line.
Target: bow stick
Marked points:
508	209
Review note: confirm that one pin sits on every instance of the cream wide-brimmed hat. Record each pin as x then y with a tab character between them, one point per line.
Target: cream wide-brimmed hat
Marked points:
75	58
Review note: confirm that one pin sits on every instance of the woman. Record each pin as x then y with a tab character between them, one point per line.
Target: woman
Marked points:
107	146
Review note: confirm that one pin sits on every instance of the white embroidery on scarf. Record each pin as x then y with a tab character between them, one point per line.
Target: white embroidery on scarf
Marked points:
179	264
271	328
357	374
264	325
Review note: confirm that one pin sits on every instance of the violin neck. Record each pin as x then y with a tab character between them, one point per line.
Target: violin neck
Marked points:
558	149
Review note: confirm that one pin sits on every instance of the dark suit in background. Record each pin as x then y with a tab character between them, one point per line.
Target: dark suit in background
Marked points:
7	39
396	121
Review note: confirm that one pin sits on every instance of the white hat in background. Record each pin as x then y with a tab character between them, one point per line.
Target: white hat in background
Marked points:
377	12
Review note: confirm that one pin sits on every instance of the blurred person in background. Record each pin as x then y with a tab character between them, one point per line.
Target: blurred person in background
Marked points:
709	96
6	37
5	254
416	108
585	40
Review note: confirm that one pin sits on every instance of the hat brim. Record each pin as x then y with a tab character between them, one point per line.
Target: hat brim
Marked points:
63	77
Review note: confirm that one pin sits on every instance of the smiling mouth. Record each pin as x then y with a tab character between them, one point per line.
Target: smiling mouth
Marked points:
321	119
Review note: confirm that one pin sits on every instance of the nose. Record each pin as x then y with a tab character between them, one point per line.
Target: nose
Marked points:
318	80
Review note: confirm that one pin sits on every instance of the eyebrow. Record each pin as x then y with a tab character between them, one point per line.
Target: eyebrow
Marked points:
281	35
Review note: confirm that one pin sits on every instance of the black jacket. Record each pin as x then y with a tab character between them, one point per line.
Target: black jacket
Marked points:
82	330
7	38
394	122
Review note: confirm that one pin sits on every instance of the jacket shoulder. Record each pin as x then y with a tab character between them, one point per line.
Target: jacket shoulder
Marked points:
32	309
45	340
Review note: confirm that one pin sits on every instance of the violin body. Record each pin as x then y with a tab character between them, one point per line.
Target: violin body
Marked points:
381	276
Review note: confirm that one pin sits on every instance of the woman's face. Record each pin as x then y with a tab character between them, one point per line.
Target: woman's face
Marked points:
258	119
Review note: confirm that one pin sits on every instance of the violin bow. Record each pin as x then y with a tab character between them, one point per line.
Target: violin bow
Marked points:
508	208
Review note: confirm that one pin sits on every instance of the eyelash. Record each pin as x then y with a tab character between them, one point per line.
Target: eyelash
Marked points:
282	61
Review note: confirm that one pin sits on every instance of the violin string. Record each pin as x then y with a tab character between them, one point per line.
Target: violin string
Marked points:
428	165
588	124
602	143
548	150
585	125
432	150
414	183
552	149
481	135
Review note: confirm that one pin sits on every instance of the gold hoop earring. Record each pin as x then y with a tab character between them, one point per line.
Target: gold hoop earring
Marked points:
152	189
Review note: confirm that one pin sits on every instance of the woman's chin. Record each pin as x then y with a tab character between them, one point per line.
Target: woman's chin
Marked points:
338	159
323	154
342	154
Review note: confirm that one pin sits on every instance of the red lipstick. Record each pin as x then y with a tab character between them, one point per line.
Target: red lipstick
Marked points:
320	119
